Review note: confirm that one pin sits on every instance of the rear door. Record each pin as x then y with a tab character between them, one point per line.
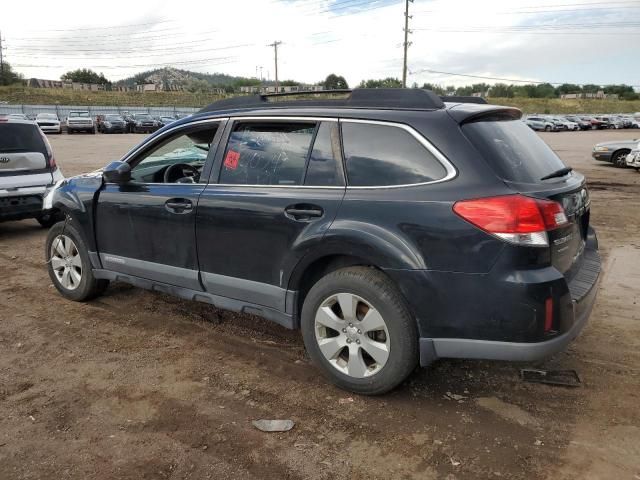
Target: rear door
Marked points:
24	156
275	192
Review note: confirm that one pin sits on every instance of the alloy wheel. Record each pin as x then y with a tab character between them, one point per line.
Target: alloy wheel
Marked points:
66	262
352	335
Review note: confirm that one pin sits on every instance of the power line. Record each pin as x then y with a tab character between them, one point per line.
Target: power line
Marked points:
535	82
111	27
186	62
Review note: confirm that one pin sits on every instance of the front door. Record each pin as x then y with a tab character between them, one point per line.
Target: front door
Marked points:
280	186
146	228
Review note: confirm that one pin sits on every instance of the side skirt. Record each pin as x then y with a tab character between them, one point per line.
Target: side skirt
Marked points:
225	303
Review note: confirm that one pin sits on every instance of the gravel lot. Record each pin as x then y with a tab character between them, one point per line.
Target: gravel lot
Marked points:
140	385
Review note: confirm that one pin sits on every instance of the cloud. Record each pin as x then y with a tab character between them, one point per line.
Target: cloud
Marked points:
355	38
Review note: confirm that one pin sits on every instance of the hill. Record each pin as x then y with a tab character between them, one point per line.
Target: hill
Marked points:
46	96
174	77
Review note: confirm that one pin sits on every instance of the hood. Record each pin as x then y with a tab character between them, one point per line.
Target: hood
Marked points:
619	143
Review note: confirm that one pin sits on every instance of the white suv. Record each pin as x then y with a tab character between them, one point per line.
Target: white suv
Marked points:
27	170
49	122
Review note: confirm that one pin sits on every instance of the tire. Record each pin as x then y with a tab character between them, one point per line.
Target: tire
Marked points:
69	132
619	158
393	338
71	257
547	128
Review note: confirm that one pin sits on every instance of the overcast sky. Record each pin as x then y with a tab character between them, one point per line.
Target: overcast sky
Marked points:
577	41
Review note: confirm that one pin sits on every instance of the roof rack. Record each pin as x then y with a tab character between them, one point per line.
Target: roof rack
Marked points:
381	98
456	99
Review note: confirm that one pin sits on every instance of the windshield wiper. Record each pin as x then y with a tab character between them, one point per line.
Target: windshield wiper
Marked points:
558	173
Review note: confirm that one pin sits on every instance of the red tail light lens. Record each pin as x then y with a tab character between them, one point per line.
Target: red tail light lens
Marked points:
515	218
548	315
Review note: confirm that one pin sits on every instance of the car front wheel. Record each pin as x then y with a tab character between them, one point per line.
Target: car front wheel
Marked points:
358	330
619	159
69	265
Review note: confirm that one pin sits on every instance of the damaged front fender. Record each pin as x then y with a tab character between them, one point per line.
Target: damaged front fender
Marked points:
75	197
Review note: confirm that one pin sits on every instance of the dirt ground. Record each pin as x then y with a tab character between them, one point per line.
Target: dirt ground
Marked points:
138	385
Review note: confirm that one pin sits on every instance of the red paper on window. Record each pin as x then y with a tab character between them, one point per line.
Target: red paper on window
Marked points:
231	160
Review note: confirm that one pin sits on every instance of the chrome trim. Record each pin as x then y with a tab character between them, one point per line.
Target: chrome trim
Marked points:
127	156
295	118
449	168
269	186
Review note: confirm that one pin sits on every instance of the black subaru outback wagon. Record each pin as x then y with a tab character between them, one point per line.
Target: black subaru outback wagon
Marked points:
392	227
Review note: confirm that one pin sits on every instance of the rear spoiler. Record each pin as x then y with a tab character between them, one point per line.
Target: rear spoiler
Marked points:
465	113
456	99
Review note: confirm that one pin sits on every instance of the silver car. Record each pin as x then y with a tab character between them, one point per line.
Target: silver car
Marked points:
27	170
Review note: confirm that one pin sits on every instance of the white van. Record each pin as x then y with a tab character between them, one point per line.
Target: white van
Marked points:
27	169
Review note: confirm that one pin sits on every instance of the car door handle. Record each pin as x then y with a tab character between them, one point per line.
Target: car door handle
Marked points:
178	205
299	212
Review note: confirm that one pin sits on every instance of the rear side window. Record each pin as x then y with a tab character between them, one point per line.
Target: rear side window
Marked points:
513	150
267	153
384	155
323	169
21	137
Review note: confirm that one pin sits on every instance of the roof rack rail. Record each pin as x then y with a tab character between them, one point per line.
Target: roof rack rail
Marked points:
381	98
461	99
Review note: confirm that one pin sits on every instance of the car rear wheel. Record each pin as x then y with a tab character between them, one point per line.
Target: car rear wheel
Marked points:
68	264
358	330
619	158
547	128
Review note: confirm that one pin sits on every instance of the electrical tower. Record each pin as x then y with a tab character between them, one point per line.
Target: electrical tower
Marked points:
406	41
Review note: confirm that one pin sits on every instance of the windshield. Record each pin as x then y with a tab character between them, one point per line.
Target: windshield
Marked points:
142	116
47	115
513	150
113	117
79	114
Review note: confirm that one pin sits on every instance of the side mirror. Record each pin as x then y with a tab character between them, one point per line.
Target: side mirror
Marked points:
117	172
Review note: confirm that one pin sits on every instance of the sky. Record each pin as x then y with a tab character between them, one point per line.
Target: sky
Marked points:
573	41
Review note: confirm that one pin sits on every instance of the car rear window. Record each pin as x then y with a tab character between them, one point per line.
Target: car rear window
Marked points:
386	155
21	137
512	149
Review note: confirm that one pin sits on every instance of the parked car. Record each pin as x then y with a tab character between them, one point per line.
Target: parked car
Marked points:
164	121
80	121
15	116
49	123
112	123
612	122
596	124
615	152
549	126
582	124
563	124
27	169
344	219
144	123
536	125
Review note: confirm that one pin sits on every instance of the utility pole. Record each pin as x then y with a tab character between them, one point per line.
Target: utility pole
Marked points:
1	59
406	41
275	49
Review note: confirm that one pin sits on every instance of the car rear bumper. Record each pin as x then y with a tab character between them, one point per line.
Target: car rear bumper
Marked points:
23	205
500	316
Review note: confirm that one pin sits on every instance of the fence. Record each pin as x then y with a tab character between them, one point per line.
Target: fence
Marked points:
63	110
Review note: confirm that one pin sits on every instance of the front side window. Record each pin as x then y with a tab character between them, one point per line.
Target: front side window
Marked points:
267	153
179	158
385	155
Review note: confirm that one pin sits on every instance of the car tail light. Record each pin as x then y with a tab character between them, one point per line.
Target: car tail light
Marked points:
514	218
51	159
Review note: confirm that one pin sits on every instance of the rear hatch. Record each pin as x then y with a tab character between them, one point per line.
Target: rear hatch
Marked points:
25	158
528	166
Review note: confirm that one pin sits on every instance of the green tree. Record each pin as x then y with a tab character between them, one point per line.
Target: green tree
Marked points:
388	82
8	76
437	89
85	75
501	90
198	86
335	82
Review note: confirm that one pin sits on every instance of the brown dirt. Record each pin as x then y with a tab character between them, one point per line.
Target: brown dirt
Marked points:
141	385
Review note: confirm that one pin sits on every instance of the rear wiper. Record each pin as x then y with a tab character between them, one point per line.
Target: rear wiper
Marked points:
558	173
